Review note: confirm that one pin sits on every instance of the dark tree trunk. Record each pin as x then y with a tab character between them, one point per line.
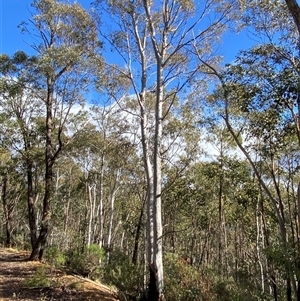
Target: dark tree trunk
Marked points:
31	205
138	234
274	285
50	157
7	213
153	294
295	12
38	249
298	290
288	289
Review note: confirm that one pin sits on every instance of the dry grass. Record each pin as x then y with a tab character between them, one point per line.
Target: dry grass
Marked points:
15	271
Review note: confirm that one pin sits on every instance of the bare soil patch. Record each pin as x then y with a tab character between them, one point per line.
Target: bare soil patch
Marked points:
15	270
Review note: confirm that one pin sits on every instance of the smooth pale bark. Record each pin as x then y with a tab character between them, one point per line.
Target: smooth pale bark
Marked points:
259	234
95	214
157	184
101	226
158	38
91	214
112	212
100	206
148	165
152	292
156	273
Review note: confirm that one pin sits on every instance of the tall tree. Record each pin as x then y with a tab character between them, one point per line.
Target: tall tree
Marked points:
22	110
155	39
66	39
257	101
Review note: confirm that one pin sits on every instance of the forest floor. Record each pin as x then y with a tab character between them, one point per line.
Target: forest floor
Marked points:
16	273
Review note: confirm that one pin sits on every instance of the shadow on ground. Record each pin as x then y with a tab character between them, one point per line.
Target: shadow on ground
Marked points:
15	270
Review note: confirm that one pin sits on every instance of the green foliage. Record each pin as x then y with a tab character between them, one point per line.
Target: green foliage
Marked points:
123	274
229	290
38	279
87	263
182	281
284	257
55	257
185	282
21	241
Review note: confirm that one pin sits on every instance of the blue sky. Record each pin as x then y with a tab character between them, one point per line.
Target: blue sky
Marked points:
13	12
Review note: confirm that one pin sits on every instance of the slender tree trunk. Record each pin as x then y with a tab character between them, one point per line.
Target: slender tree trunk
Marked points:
152	293
269	267
100	207
101	226
220	209
225	243
6	212
138	234
96	212
38	250
67	210
258	252
91	214
112	212
206	242
31	204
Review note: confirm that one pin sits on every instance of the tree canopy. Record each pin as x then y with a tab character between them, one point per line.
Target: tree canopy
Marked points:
132	154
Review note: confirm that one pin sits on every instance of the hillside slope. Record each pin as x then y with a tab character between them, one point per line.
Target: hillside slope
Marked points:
18	277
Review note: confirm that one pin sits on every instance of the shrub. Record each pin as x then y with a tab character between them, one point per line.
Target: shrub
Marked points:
38	279
87	263
123	274
55	257
182	281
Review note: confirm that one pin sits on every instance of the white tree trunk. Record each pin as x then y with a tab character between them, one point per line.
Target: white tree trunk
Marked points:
100	206
91	215
112	211
258	252
158	258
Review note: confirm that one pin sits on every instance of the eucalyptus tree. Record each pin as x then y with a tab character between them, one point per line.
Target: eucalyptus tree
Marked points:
12	192
261	108
65	38
104	152
154	41
257	100
221	141
193	233
21	132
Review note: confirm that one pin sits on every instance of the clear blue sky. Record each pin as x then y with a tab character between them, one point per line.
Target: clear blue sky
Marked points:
13	12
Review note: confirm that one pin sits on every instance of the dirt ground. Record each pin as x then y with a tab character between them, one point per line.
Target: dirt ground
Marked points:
15	271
